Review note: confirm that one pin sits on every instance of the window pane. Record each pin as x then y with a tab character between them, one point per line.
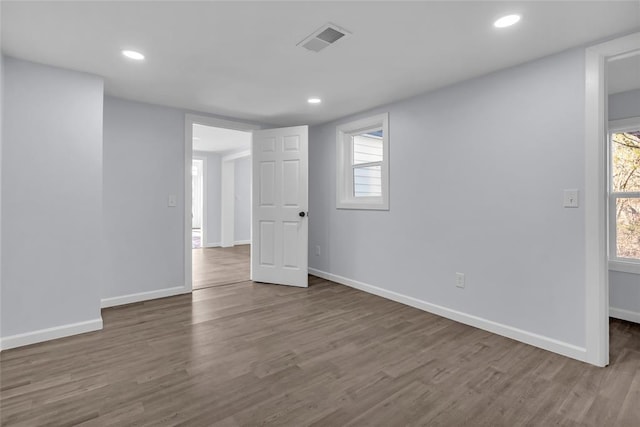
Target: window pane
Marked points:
625	161
367	148
628	228
367	181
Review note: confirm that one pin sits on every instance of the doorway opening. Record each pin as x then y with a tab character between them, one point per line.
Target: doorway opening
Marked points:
219	186
623	186
221	200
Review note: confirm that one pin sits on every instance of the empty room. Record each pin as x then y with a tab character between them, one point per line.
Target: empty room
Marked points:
347	213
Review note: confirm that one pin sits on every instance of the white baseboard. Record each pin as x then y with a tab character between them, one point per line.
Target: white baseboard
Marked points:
628	315
526	337
218	245
142	296
41	335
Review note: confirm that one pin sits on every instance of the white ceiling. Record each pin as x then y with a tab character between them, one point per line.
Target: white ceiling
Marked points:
624	74
240	59
219	140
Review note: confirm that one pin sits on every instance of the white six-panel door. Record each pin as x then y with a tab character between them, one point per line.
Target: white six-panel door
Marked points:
280	204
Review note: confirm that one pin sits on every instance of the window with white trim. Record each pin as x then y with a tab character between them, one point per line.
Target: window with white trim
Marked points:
362	149
624	195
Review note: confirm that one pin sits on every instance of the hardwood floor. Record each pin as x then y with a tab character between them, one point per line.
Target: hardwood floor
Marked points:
220	266
251	354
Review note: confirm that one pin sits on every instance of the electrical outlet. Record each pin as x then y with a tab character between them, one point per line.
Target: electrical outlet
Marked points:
172	201
460	280
317	250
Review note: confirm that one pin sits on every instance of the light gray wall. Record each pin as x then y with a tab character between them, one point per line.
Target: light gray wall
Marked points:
51	197
624	288
242	219
212	197
624	291
624	105
477	175
1	138
143	164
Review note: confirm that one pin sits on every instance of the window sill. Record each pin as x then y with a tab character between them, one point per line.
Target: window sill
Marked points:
363	205
624	266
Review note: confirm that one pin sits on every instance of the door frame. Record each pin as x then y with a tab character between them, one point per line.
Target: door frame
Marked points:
189	121
595	200
203	220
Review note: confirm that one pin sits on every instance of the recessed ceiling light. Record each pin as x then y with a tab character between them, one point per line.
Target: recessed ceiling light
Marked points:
506	21
314	100
132	54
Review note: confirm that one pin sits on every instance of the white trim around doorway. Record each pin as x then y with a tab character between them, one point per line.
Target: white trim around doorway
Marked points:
595	205
204	223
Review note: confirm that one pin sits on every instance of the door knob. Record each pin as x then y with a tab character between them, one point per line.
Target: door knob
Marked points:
302	214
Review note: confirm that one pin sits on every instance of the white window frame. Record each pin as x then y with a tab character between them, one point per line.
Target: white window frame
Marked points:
345	198
626	265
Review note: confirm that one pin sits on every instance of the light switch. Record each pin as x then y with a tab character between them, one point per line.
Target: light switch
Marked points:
172	201
571	198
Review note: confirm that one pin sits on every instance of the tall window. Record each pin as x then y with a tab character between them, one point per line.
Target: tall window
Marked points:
363	164
624	195
367	164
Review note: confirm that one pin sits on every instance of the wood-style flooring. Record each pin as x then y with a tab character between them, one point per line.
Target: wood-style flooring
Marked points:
220	266
252	354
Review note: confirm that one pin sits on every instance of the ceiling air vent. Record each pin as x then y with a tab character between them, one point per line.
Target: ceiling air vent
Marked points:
324	36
